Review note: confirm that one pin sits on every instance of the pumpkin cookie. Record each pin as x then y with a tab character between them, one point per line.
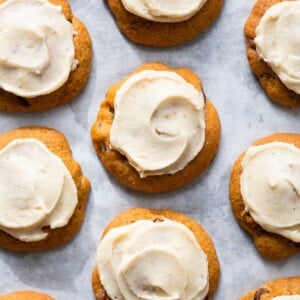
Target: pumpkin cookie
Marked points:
26	295
43	192
280	289
264	194
155	131
34	75
157	24
272	50
160	232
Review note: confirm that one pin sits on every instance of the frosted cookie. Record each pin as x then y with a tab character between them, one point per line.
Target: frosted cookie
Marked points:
45	55
265	194
26	295
43	192
273	49
164	23
158	253
280	289
155	130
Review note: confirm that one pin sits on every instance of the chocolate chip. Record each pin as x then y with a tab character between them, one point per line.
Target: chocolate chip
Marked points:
259	293
247	217
267	76
158	220
22	101
252	44
112	111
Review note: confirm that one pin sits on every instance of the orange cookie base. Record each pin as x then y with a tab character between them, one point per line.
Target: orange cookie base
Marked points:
158	34
271	83
77	79
56	143
136	214
280	287
118	165
270	245
25	295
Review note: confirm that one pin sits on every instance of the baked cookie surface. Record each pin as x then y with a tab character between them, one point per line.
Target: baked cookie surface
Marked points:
77	78
270	82
280	287
56	143
118	165
26	295
136	214
157	34
270	245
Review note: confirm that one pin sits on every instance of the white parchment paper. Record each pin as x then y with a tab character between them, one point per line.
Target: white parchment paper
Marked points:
218	57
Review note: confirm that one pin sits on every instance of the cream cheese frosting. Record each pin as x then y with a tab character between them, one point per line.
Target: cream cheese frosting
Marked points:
293	297
270	187
152	260
37	51
278	43
159	122
36	190
164	10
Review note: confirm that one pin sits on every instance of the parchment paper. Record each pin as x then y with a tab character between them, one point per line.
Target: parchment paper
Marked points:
218	57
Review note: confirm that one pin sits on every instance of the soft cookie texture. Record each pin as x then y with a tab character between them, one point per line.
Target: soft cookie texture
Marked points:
158	34
271	83
77	78
26	295
280	287
118	164
136	214
270	245
56	143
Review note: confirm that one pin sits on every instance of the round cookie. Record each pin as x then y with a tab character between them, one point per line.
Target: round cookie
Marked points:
25	295
270	245
77	78
136	214
118	165
56	143
158	34
279	287
270	82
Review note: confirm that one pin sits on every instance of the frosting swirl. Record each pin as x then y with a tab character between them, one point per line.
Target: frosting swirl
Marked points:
270	187
36	47
164	10
36	190
153	260
278	43
159	122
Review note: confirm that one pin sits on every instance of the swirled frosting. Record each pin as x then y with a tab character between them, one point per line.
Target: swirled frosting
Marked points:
159	122
164	10
293	297
270	186
36	47
36	190
278	42
152	260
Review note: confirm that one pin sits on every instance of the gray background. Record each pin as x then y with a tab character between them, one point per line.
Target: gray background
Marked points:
218	57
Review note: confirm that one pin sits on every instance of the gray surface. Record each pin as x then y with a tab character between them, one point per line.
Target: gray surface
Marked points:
218	56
